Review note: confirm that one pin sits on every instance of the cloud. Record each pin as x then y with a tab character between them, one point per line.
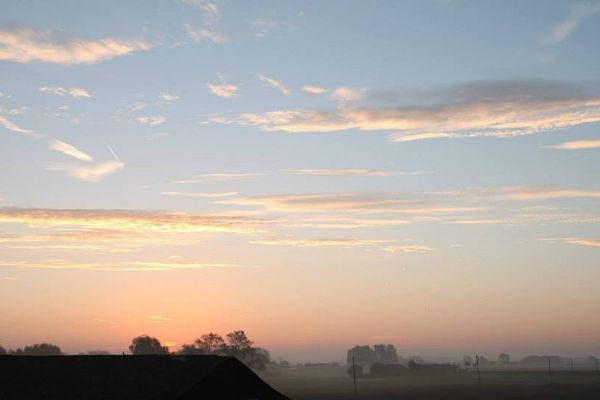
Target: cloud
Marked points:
346	94
54	144
90	174
341	172
74	92
217	176
124	266
167	97
314	90
158	318
346	202
262	26
200	194
13	127
479	109
527	193
201	34
25	45
322	242
412	248
210	9
70	150
151	120
577	145
583	242
223	89
17	110
564	29
275	84
131	220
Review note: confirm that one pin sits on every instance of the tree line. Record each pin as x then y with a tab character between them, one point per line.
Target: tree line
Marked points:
234	344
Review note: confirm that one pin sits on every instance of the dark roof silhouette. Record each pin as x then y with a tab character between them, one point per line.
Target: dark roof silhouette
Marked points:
130	377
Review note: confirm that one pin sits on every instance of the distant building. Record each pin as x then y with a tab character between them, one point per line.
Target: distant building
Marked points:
130	378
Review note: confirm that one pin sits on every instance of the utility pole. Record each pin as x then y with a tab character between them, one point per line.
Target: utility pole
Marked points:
550	369
478	372
354	374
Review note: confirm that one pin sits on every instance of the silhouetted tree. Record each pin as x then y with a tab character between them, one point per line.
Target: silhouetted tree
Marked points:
189	349
2	351
210	343
147	345
238	344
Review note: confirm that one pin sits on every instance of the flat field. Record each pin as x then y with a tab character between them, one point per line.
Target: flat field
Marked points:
512	384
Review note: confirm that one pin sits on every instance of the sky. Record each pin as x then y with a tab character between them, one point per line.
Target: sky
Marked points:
318	174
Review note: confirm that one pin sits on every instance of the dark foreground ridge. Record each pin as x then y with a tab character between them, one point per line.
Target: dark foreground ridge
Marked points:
130	377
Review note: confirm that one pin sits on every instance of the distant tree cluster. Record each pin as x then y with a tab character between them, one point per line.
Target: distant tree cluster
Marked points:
366	356
235	344
40	349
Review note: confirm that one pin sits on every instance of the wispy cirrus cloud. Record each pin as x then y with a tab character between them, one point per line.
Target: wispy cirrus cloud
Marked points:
524	193
217	176
410	248
571	23
210	10
132	220
89	174
591	242
168	97
202	34
477	109
356	202
577	145
200	194
74	92
274	84
325	242
123	266
53	144
24	45
347	172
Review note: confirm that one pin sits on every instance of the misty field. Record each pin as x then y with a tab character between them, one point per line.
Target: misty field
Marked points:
514	384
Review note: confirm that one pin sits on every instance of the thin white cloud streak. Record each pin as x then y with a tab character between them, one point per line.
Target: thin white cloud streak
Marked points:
524	193
274	84
217	176
341	172
262	26
25	45
74	92
70	150
94	173
314	90
583	242
202	34
14	127
577	145
54	144
411	248
201	194
327	242
564	29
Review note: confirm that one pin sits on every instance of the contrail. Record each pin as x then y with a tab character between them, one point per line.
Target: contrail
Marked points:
114	154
